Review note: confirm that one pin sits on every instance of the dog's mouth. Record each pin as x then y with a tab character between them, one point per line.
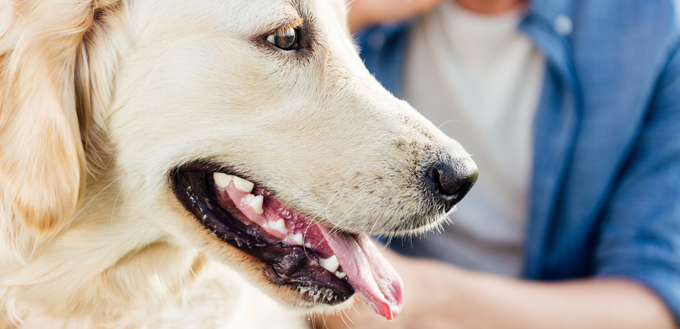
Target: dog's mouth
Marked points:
324	265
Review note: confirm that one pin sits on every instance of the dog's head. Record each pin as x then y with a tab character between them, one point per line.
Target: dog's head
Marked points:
249	130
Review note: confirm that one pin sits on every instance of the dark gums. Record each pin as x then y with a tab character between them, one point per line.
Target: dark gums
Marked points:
292	266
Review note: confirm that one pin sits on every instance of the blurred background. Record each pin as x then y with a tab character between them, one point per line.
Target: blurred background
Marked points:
571	110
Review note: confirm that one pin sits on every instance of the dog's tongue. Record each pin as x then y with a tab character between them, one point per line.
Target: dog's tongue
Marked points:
368	272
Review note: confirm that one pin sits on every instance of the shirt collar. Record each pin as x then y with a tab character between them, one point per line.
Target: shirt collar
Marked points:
551	9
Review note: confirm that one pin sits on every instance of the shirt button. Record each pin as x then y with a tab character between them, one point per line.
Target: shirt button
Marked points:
376	40
563	25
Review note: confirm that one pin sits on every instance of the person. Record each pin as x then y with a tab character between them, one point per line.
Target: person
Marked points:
571	110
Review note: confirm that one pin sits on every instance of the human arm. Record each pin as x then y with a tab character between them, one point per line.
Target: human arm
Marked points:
636	264
439	295
364	13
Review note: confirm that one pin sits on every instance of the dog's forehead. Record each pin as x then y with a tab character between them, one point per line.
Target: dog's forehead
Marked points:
255	14
241	19
251	16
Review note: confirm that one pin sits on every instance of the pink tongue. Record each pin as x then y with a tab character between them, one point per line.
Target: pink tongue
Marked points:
368	272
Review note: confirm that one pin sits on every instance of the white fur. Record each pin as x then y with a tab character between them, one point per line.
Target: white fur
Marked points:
165	82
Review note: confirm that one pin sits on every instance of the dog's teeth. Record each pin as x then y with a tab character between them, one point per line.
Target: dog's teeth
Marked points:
222	180
308	245
279	225
340	274
298	238
255	202
331	264
243	185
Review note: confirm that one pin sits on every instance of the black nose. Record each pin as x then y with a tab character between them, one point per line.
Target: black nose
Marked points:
452	180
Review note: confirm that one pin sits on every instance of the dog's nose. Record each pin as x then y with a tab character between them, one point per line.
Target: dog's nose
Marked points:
452	180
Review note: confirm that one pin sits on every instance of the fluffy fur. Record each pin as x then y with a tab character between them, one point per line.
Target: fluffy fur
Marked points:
101	99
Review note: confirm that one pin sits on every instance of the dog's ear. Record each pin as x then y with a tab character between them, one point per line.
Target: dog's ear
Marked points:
41	152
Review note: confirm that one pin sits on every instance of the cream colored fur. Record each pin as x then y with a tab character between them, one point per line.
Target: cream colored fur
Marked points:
101	99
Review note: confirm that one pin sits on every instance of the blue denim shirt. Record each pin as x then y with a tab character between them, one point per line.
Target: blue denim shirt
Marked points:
605	190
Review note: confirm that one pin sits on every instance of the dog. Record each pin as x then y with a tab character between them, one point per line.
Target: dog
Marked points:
150	148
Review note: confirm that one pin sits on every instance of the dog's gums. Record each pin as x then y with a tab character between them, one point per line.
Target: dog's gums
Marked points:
278	222
324	265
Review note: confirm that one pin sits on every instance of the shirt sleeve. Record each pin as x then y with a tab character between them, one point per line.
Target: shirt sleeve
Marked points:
640	233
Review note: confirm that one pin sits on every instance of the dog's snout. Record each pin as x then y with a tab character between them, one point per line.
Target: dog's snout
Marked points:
452	180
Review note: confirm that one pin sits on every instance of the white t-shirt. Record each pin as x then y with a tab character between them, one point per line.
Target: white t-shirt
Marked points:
479	79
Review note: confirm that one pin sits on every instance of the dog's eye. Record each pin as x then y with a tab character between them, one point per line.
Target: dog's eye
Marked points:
286	40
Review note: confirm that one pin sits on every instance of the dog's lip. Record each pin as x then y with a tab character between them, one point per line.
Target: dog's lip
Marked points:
289	265
344	255
302	267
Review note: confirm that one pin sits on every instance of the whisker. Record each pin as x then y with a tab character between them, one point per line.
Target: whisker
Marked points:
447	122
88	203
113	211
343	320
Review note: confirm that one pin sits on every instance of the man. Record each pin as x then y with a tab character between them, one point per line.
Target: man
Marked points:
571	109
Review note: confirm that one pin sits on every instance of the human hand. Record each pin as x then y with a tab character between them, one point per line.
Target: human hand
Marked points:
443	296
431	291
363	13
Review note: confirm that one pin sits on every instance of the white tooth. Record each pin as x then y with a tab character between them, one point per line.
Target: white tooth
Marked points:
222	180
255	202
340	274
331	264
308	245
279	225
243	185
298	239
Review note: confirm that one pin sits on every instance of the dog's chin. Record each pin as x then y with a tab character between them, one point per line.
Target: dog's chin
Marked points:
293	257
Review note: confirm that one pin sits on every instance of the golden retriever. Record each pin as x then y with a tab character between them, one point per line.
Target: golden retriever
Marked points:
149	146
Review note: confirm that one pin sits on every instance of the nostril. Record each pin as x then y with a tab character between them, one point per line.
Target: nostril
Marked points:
451	183
453	180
